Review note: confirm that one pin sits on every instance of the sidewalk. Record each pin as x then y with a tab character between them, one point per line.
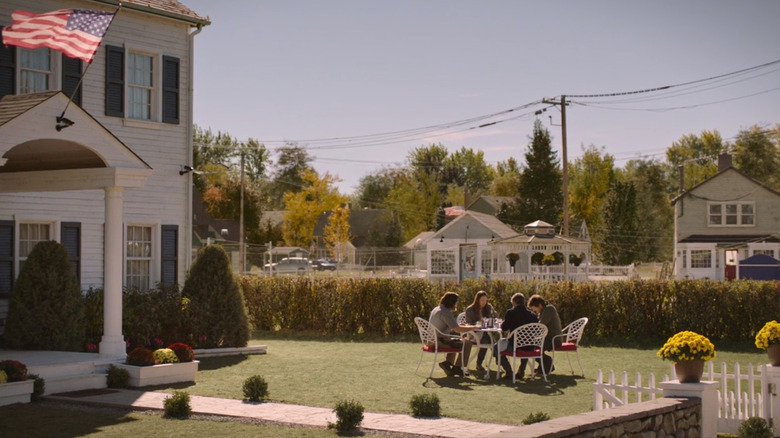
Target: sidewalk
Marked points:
288	414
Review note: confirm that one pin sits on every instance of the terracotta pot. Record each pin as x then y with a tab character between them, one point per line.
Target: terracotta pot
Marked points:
689	371
773	351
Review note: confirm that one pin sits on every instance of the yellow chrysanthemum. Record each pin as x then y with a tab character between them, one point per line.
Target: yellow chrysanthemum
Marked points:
687	345
769	334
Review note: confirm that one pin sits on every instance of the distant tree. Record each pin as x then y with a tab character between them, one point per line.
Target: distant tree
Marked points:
757	155
215	302
416	198
589	179
46	307
293	162
467	169
337	232
305	206
619	246
539	191
698	155
374	188
507	178
385	232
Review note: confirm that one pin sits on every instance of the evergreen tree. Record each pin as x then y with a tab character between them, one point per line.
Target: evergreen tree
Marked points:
46	307
620	245
540	196
217	310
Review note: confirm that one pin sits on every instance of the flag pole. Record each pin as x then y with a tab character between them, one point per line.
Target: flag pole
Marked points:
62	122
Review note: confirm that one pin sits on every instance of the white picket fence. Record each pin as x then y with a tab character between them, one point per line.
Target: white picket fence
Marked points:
740	396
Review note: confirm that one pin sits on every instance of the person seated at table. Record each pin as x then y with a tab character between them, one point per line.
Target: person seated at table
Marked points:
443	319
517	316
478	310
548	316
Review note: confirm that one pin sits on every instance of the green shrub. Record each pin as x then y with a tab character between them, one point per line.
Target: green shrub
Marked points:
15	371
140	357
165	355
177	405
148	314
349	414
216	308
755	427
425	405
255	388
46	307
117	377
536	418
39	387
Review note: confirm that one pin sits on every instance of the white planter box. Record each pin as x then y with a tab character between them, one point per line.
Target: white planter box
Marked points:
16	392
161	374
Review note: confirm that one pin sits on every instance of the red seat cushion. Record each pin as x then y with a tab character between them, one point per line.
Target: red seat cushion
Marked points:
432	349
522	353
567	346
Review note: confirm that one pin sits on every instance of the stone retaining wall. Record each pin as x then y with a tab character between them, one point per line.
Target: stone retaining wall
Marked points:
659	418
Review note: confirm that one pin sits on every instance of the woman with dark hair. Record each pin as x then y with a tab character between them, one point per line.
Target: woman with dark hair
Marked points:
478	310
443	319
548	316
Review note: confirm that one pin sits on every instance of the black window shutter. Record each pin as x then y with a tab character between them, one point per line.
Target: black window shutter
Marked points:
115	81
6	258
7	70
71	73
170	255
70	236
170	103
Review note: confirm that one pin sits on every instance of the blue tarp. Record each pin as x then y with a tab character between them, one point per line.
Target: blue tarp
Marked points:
759	267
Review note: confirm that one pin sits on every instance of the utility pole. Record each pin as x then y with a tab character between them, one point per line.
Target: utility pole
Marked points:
241	249
562	103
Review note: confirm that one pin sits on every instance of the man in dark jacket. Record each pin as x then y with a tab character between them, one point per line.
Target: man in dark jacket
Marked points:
517	316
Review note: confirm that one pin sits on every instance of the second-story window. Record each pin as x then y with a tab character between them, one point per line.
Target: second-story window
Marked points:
29	236
140	87
36	72
722	214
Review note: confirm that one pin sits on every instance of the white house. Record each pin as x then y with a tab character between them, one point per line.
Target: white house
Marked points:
109	186
724	219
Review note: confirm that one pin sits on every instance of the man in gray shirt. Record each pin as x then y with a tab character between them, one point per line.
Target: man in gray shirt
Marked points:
443	319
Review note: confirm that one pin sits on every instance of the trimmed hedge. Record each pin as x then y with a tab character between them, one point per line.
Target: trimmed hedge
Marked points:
631	310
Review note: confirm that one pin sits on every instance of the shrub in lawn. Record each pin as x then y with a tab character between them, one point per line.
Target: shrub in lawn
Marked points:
165	355
216	308
117	377
46	308
140	357
177	405
425	405
255	388
39	386
350	415
755	427
537	417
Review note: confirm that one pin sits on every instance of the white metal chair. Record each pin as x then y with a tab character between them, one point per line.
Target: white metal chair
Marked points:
429	336
476	341
528	344
571	334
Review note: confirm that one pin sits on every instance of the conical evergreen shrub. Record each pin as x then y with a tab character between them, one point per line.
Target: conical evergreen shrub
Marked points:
46	307
217	311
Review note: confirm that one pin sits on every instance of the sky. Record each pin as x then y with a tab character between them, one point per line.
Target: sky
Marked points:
361	83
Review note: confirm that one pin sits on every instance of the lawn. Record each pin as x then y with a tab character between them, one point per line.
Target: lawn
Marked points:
381	375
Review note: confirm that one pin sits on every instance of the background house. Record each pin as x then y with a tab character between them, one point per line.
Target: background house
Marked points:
725	218
108	186
490	204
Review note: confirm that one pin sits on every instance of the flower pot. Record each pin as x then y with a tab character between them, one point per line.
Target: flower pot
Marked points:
16	392
161	374
773	351
689	371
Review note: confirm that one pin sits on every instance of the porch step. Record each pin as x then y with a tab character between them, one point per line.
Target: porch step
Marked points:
67	377
75	383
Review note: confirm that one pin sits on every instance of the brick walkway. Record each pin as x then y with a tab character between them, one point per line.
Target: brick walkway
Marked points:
282	413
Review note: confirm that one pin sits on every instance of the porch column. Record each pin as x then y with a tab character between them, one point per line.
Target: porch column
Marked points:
113	343
772	400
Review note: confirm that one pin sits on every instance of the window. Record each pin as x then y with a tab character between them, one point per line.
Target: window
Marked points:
138	258
731	214
29	236
35	70
683	256
140	86
769	252
151	92
443	262
701	258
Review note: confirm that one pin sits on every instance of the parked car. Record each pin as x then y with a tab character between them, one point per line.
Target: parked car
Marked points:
289	265
323	265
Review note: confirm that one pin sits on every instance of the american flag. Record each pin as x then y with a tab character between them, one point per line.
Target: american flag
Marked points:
74	32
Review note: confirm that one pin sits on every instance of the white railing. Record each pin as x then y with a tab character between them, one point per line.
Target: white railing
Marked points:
740	395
